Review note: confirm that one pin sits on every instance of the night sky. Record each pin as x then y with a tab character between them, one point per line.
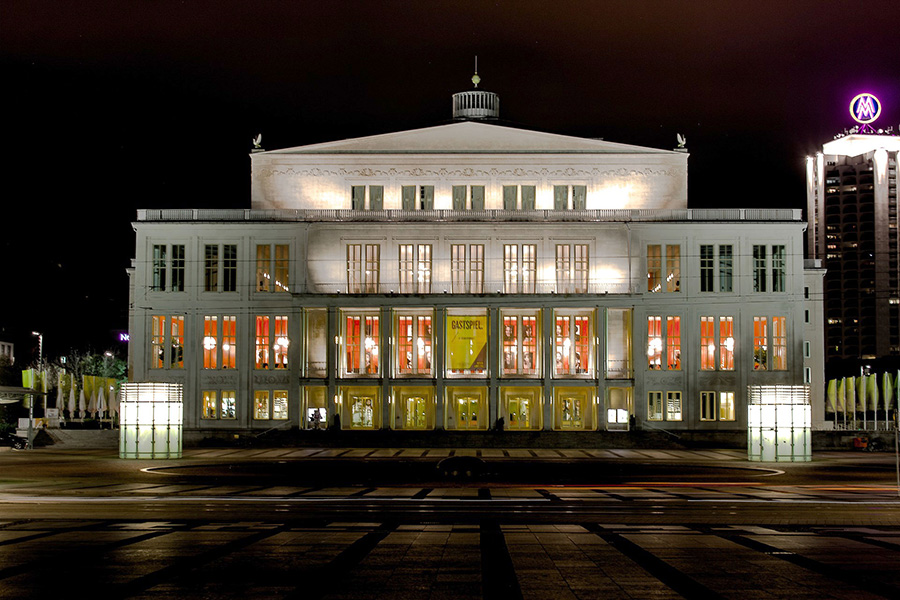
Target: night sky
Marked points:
114	106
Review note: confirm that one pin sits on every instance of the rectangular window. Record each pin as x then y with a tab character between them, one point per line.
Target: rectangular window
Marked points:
363	268
281	343
707	268
210	341
572	268
361	343
654	268
162	266
529	268
159	268
760	343
654	342
317	343
176	359
218	404
229	341
413	340
726	343
229	268
211	268
280	405
521	354
528	195
272	277
417	197
807	375
655	406
415	268
261	404
407	268
262	342
467	272
673	406
806	349
778	269
567	197
707	344
210	408
726	268
358	197
510	268
779	343
759	268
573	348
510	197
708	403
726	406
158	342
178	268
673	268
263	267
673	343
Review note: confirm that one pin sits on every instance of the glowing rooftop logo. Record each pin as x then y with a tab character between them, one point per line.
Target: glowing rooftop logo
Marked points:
865	108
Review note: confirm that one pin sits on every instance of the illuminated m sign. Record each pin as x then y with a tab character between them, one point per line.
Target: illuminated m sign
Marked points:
865	108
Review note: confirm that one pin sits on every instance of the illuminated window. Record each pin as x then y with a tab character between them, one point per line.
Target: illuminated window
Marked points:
573	344
673	268
521	353
157	342
471	197
654	268
707	343
280	405
779	343
413	341
673	406
726	406
210	342
167	259
361	407
726	343
210	408
417	197
261	404
218	404
519	268
281	343
262	342
360	338
572	268
363	268
673	343
467	272
415	268
316	406
654	342
655	406
759	268
272	276
358	197
778	269
760	344
176	357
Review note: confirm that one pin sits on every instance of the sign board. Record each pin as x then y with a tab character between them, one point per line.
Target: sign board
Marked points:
865	108
467	342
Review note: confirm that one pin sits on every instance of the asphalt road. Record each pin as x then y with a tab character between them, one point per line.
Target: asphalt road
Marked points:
357	523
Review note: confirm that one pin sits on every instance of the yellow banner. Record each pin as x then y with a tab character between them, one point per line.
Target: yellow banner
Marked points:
467	342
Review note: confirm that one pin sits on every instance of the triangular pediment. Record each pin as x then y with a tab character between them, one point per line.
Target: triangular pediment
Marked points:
470	137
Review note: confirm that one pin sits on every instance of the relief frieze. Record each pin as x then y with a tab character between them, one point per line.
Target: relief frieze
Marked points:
468	173
274	378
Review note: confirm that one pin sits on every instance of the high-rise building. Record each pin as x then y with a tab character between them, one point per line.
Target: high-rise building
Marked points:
853	228
464	275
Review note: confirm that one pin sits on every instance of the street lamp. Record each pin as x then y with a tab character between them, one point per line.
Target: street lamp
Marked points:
40	337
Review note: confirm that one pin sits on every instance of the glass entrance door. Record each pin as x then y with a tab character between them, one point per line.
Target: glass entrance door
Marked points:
467	409
362	412
619	409
520	412
573	409
416	416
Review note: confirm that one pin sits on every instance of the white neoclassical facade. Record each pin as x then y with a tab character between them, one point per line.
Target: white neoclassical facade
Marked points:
458	276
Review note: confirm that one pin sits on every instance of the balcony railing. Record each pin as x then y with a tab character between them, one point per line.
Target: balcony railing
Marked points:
538	216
